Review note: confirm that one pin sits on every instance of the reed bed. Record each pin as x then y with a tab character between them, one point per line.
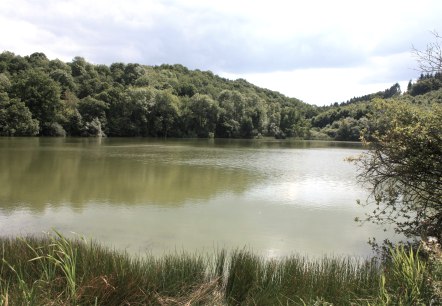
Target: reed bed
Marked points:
54	270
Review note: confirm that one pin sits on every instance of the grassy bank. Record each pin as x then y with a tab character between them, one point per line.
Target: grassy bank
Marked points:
56	271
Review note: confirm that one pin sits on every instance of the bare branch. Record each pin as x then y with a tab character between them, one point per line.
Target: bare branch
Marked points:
430	59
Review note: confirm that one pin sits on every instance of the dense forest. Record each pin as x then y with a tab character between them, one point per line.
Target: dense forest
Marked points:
52	98
46	97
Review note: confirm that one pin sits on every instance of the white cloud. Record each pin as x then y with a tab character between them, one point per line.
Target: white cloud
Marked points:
323	86
295	42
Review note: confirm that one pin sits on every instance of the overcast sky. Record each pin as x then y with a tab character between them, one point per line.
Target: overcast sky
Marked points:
318	51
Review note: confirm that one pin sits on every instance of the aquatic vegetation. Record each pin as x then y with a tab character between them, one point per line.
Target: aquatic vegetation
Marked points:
56	270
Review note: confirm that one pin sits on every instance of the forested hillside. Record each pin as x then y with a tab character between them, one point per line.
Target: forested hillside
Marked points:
346	120
46	97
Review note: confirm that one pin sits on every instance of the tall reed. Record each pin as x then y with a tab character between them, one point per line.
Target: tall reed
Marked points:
61	271
403	281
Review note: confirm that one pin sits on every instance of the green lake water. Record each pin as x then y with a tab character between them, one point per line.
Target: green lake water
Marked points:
157	196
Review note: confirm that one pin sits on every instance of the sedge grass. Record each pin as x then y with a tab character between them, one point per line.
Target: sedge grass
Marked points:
54	270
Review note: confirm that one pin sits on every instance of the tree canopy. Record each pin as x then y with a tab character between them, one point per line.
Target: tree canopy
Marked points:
403	164
82	99
403	167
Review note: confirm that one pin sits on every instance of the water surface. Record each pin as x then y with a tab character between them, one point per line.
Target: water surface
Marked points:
156	196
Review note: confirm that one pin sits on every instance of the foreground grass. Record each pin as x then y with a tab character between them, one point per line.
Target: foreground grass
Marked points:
56	271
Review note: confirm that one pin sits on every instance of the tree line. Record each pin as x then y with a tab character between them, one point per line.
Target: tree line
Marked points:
46	97
348	120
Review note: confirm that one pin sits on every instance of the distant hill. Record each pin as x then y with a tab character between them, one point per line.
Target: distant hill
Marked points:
344	121
51	97
46	97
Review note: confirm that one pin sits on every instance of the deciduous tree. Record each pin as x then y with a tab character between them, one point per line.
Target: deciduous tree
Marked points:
403	167
41	95
15	118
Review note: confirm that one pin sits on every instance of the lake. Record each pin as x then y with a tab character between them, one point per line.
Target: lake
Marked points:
275	197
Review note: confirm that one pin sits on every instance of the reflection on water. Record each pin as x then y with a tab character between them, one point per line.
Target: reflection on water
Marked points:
147	195
77	173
